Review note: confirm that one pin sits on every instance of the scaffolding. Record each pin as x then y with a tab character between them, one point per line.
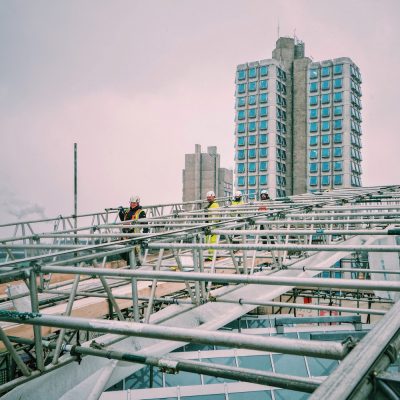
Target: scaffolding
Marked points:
85	305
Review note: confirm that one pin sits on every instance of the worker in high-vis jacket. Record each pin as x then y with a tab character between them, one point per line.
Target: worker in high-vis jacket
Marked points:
212	204
237	199
134	212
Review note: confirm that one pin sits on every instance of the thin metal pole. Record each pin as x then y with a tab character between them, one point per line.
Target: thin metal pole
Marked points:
135	294
75	188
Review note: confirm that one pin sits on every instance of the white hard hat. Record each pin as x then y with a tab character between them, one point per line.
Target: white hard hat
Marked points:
134	199
210	193
263	192
238	193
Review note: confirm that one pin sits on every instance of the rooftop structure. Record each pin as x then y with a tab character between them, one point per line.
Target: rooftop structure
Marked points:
300	300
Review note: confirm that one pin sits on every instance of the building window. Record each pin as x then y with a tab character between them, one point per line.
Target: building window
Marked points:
325	167
252	126
263	179
252	113
252	86
263	152
325	153
313	113
325	112
326	98
325	139
338	69
325	85
241	167
263	125
263	84
241	141
251	153
252	72
263	111
313	140
252	100
313	127
240	180
241	75
263	138
252	180
338	83
241	115
241	88
338	97
252	167
338	124
263	98
325	71
338	179
252	139
313	154
313	180
313	167
337	152
313	100
313	73
263	165
313	87
241	155
337	138
241	101
338	166
337	111
241	128
325	125
263	70
325	180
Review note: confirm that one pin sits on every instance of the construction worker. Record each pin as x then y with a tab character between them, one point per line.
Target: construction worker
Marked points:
237	200
134	212
264	196
212	204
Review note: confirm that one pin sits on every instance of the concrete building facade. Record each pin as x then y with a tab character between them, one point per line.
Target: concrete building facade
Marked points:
203	173
282	132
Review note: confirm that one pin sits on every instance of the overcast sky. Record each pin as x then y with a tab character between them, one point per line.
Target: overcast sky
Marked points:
138	83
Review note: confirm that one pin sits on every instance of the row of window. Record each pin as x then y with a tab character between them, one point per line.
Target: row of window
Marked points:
326	85
325	98
252	100
355	73
326	71
280	87
356	154
252	139
355	140
355	127
252	86
325	139
326	112
326	153
252	167
252	180
326	166
280	100
355	167
326	125
252	72
252	113
355	180
252	126
355	86
280	114
355	100
326	180
252	153
281	74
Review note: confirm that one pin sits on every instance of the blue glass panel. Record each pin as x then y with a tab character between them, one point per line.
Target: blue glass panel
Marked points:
325	85
289	364
338	123
325	180
263	152
241	88
285	394
205	396
263	180
182	379
325	153
252	139
325	139
252	86
252	153
337	69
338	110
263	70
338	83
325	125
338	97
241	128
325	167
252	72
337	138
313	73
337	152
338	166
241	101
241	74
263	165
241	140
313	100
314	113
313	140
313	127
325	98
263	111
241	114
261	395
252	100
338	179
252	112
313	167
263	97
263	137
313	86
325	71
241	167
325	112
241	182
313	154
263	84
240	155
321	366
252	167
313	181
252	126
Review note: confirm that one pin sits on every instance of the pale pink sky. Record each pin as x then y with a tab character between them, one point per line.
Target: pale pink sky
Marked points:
137	84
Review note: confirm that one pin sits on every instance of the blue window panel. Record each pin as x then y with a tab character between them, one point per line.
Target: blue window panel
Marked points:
241	167
338	69
325	85
313	100
263	70
338	83
241	75
182	379
263	111
313	127
325	166
338	179
325	71
338	110
263	138
338	165
263	165
325	180
252	113
241	115
288	364
241	101
325	98
337	152
252	180
285	394
241	155
241	128
325	153
313	113
313	167
338	124
263	125
252	72
263	98
241	141
241	180
338	138
252	167
325	139
251	153
252	126
313	87
338	97
313	181
263	152
313	154
263	180
313	140
252	139
325	112
313	73
252	193
321	366
241	88
325	125
252	100
263	84
252	86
